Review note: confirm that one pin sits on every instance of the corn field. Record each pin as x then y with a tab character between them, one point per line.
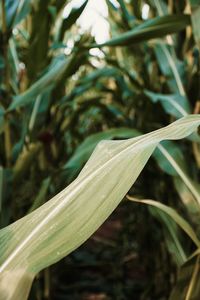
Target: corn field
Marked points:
99	150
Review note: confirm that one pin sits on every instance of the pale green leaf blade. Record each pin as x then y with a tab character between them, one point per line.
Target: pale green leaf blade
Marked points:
67	220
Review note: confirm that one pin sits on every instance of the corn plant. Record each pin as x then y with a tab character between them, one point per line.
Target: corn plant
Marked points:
55	108
62	224
168	60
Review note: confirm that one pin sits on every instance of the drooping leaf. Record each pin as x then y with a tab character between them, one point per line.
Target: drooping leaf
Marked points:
185	226
175	105
67	220
151	29
168	156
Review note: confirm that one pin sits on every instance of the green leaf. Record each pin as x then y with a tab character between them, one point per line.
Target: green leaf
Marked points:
46	82
195	3
71	19
185	226
169	66
62	224
99	73
171	234
125	13
151	29
175	105
164	161
189	200
83	152
16	11
173	157
172	161
23	9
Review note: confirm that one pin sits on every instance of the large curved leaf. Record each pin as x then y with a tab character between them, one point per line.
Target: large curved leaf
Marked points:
62	224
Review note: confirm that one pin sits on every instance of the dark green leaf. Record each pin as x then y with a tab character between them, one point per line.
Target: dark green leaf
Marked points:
16	11
171	234
174	151
175	104
71	19
104	72
48	80
157	27
170	67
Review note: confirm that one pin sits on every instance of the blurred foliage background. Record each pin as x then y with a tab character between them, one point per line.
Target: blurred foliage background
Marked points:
61	93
